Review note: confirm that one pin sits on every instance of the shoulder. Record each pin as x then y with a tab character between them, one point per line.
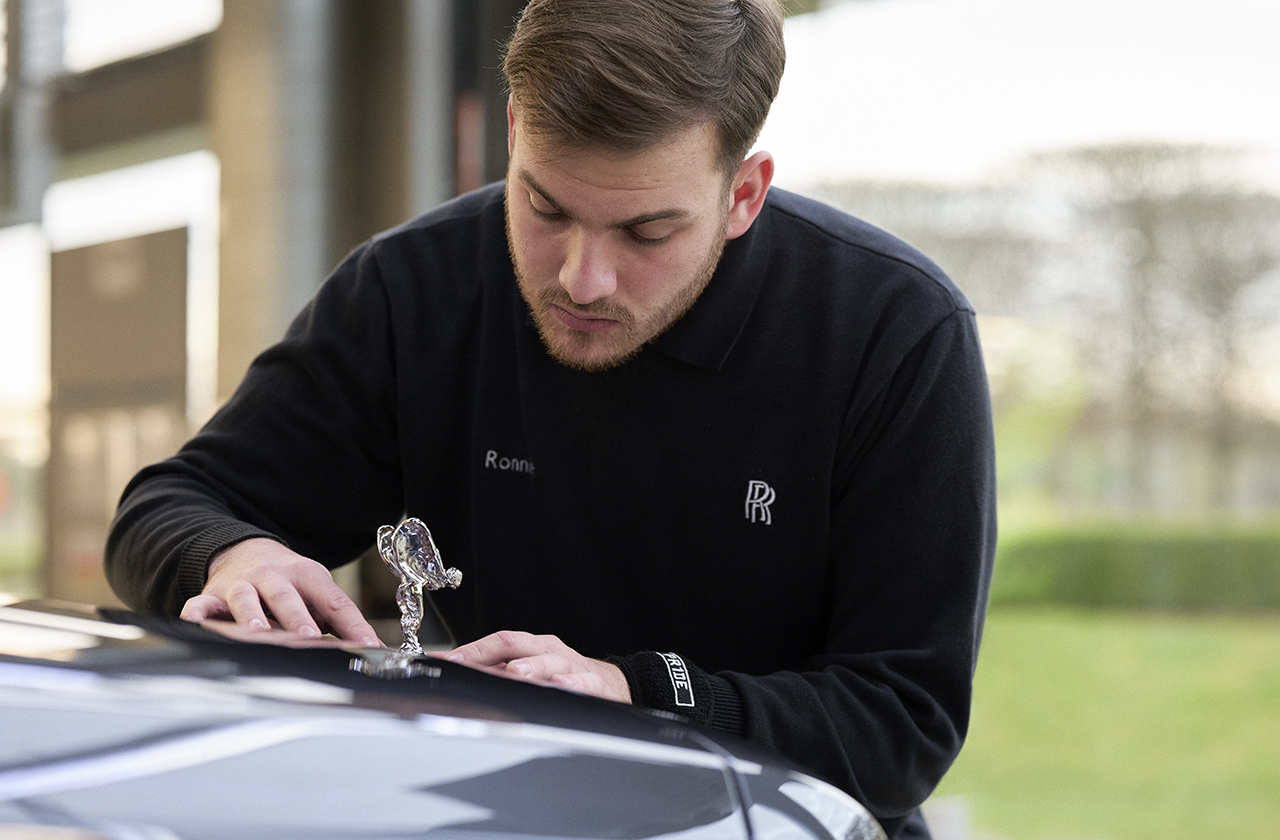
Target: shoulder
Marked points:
447	267
454	249
852	258
458	221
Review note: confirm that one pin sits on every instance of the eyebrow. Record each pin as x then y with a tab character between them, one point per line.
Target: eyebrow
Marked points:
643	218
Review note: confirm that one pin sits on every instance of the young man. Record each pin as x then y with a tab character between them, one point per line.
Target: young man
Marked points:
695	444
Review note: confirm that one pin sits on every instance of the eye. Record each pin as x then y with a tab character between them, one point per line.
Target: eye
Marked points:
641	236
542	208
653	232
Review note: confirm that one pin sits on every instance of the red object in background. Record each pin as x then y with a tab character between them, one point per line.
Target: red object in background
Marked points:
6	495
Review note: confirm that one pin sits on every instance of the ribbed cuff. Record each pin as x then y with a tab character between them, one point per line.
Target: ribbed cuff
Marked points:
727	714
669	683
193	566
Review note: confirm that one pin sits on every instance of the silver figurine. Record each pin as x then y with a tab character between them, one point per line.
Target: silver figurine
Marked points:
410	553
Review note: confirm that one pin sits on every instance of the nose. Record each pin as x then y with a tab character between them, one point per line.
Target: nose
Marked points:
588	273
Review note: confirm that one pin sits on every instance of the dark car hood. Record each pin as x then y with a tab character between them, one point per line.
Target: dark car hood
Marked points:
114	720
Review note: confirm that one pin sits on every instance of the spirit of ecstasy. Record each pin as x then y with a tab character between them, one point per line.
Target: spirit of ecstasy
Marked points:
409	552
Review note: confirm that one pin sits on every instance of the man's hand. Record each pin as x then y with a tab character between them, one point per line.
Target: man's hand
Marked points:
543	659
259	577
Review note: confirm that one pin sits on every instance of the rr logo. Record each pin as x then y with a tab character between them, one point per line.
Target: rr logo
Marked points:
759	497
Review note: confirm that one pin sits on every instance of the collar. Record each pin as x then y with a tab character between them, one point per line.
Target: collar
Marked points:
707	333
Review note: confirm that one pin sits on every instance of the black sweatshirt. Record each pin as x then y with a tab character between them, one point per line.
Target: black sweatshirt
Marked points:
790	492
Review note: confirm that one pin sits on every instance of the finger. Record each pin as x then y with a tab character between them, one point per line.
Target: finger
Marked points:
286	605
543	668
580	683
330	607
497	648
245	607
204	607
499	670
602	680
345	620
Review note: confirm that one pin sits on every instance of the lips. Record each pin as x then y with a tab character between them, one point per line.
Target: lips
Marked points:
581	323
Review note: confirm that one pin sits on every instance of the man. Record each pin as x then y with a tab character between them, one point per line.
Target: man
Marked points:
694	444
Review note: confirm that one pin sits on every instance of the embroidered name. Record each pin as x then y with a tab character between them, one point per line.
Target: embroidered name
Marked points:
759	496
680	683
493	462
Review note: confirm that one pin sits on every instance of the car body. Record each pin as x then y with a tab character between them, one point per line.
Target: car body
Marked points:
119	725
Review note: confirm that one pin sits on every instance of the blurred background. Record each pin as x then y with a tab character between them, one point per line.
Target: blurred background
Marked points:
1101	177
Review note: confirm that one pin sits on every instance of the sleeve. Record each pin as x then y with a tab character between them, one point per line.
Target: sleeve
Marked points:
304	452
883	710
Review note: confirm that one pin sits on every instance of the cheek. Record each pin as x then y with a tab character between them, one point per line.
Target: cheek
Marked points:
663	275
538	253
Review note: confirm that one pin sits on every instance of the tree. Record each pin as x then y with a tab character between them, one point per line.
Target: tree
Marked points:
1147	208
1222	246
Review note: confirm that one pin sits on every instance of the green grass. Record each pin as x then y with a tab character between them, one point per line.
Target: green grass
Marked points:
1115	726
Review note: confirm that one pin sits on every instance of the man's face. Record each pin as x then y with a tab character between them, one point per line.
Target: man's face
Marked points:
610	250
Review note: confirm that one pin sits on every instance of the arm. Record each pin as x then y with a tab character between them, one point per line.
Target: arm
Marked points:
299	464
882	709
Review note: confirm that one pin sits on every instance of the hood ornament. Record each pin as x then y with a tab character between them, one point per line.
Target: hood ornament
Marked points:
410	553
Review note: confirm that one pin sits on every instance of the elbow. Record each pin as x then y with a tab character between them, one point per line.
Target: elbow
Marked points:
910	768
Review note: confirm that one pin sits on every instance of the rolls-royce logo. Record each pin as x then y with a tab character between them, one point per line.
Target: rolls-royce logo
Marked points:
759	496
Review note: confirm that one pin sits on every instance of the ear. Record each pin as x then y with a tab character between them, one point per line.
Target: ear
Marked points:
746	197
511	124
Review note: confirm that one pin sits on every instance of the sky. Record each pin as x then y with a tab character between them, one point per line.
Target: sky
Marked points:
956	90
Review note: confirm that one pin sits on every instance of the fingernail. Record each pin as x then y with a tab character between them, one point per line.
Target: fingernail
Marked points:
371	641
308	631
258	624
453	656
521	668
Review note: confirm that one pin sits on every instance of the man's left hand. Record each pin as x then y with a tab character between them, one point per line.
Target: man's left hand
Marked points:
543	659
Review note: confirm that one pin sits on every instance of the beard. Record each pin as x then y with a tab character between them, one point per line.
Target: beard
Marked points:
595	351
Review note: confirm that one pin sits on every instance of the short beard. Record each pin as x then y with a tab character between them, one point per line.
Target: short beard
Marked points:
636	336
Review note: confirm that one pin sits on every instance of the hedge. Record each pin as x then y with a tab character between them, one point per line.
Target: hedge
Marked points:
1225	569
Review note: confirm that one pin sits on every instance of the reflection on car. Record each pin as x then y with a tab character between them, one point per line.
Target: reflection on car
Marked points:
121	725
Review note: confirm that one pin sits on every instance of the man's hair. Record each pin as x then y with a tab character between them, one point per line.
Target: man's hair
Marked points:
629	74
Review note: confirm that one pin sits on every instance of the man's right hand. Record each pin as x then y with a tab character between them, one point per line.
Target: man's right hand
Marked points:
257	580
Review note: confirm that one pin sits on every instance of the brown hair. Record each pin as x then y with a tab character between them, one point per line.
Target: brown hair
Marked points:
627	74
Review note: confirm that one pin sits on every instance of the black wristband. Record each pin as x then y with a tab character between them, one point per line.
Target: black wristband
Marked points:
669	683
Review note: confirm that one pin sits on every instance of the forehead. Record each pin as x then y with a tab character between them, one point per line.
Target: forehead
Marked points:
685	166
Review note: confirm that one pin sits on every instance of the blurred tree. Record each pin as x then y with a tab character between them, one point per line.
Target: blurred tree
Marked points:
1148	207
1223	250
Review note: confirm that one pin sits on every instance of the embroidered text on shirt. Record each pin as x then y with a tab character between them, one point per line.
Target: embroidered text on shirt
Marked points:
493	462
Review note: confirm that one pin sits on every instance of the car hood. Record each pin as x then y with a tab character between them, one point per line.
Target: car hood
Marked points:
147	727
